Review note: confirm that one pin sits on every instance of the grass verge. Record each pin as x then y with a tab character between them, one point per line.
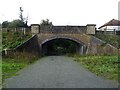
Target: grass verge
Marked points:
11	65
105	66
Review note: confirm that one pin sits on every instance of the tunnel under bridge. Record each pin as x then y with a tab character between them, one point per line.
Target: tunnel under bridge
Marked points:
61	46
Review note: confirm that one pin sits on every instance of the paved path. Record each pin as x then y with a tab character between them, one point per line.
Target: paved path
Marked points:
57	72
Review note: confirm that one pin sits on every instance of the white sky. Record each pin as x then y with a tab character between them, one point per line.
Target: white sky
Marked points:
61	12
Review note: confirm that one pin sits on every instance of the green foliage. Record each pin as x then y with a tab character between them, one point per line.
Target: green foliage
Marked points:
111	39
9	68
12	39
106	66
16	23
46	22
11	65
22	22
5	24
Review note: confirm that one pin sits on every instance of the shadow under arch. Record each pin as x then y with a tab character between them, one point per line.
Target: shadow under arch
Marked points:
46	45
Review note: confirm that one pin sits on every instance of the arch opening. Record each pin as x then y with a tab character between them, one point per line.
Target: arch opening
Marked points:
61	46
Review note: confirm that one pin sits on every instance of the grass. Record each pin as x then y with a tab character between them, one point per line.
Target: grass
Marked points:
111	39
12	39
11	65
105	66
9	68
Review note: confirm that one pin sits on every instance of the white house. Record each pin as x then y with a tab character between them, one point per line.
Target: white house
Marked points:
112	25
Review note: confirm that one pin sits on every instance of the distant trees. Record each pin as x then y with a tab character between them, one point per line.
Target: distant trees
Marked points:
16	23
46	25
21	22
46	22
5	24
13	24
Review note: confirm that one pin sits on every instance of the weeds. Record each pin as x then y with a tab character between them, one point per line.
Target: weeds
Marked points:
106	66
12	64
12	39
111	39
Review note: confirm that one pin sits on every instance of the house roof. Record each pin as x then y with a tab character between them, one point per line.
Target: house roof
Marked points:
112	22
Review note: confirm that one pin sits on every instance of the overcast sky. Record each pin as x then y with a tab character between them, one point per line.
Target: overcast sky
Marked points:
61	12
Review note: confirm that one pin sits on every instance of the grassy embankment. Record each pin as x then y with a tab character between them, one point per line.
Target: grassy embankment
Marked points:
12	64
105	66
11	40
109	38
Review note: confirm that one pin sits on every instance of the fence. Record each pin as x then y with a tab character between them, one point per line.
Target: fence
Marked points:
112	32
22	30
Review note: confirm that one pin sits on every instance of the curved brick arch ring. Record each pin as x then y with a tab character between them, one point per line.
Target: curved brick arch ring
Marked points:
62	37
83	46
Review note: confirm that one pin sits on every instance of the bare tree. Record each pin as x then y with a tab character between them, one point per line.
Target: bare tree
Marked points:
21	14
24	20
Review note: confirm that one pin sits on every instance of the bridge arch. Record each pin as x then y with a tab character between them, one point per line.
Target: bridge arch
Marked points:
80	46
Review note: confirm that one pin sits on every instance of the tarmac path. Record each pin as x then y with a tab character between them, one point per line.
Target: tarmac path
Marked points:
57	72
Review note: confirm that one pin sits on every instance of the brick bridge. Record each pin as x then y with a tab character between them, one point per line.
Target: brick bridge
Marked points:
81	35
